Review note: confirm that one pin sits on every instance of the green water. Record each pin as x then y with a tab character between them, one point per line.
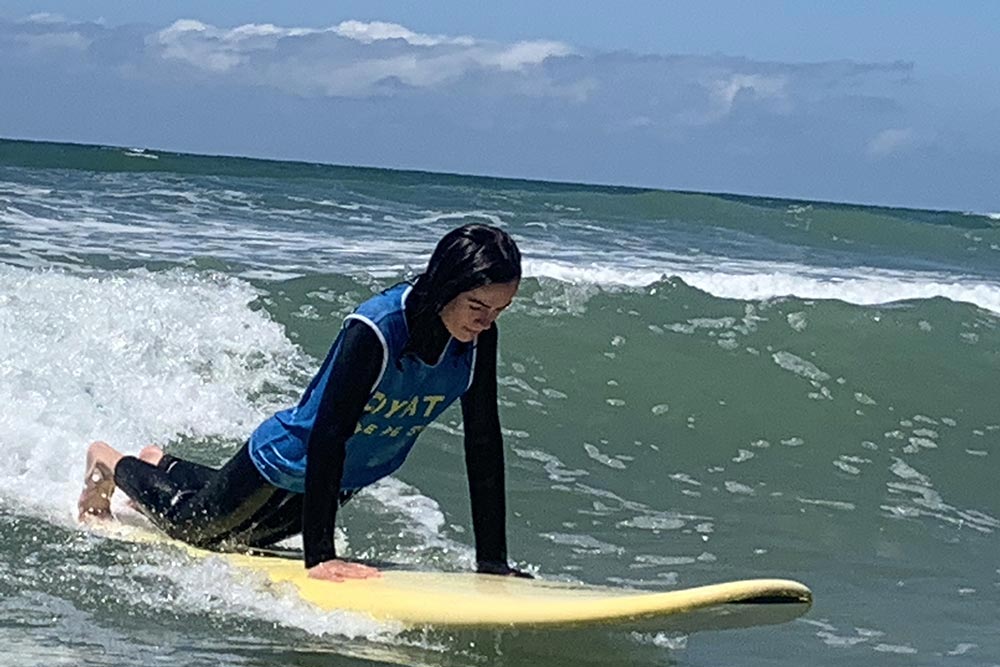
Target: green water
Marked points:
693	388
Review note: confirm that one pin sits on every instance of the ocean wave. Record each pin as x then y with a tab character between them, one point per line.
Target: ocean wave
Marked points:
761	281
130	358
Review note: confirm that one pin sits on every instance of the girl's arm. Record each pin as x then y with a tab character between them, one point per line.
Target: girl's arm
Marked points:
354	370
484	460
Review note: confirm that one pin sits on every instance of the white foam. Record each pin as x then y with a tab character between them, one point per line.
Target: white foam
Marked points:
141	217
421	519
799	366
583	544
21	190
492	217
594	453
873	287
274	236
138	357
758	281
927	501
212	585
131	358
592	274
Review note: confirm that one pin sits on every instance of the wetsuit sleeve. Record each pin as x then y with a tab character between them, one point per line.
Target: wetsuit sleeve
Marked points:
484	457
353	372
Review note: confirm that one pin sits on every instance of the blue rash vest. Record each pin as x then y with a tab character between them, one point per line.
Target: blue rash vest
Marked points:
408	395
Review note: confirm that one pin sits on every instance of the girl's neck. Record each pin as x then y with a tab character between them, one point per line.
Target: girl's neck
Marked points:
428	336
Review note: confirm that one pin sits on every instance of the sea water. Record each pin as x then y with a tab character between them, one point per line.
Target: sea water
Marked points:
693	388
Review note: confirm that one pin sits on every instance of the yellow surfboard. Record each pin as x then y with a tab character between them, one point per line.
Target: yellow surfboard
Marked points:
468	600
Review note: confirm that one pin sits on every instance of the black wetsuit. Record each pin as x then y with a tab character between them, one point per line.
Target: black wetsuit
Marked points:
235	507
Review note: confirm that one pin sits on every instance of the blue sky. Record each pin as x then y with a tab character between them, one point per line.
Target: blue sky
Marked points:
890	102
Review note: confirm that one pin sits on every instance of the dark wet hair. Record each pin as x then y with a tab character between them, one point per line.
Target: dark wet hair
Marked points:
465	258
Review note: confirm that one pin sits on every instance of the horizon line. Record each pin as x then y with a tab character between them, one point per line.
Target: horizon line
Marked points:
794	199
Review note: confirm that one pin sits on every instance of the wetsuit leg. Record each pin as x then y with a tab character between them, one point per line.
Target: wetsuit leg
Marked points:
234	499
186	474
283	522
202	505
150	487
159	491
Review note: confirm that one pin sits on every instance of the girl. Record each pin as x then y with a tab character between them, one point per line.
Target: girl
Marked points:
400	359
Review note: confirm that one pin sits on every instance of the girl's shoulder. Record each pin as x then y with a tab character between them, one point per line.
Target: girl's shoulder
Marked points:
385	303
385	313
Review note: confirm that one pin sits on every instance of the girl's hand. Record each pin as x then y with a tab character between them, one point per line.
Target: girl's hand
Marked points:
340	570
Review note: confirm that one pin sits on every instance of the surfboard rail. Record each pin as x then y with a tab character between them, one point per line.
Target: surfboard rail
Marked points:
468	600
476	600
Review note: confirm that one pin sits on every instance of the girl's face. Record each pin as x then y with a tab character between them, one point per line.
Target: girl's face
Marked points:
473	312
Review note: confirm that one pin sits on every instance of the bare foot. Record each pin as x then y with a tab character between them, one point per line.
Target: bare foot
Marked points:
95	500
151	454
99	483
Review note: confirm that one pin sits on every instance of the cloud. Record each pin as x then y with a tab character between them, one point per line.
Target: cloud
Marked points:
359	60
759	85
381	93
890	141
44	32
72	41
725	89
377	30
523	54
352	59
45	17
